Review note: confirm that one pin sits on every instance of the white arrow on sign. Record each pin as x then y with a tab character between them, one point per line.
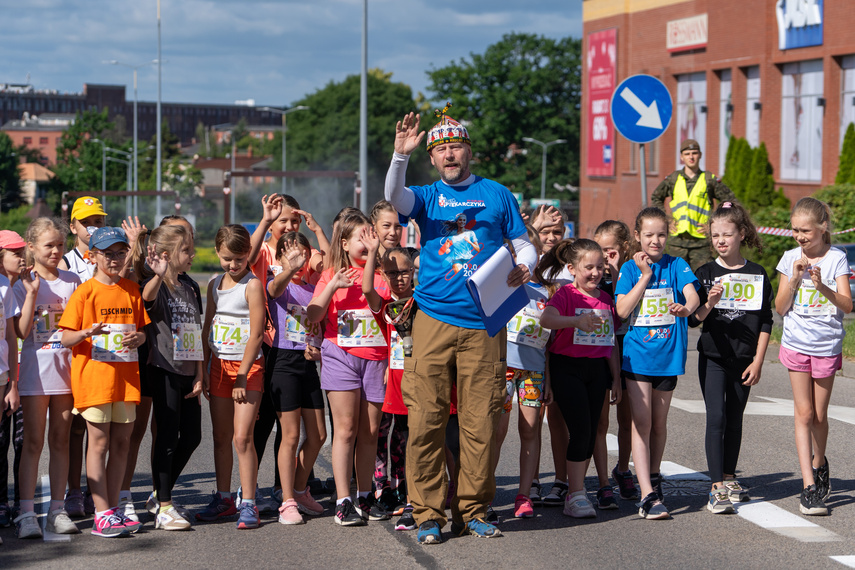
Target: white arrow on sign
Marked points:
649	113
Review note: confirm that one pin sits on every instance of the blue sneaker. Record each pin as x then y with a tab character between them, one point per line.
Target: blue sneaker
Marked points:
476	527
248	516
429	533
218	508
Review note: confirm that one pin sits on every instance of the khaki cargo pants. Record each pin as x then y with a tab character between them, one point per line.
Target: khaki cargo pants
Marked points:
443	354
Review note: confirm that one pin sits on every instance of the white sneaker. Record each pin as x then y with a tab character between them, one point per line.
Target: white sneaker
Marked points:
58	522
27	525
578	506
127	508
151	505
170	519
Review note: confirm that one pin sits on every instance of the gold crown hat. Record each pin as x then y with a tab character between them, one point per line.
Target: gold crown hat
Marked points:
447	130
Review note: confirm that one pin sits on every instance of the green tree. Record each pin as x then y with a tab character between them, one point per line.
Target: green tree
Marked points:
846	170
737	167
10	181
522	86
148	159
760	188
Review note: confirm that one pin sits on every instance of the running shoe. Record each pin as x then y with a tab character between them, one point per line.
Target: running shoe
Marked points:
579	506
346	515
88	503
74	504
476	527
264	506
429	533
152	505
185	513
387	500
370	510
248	516
289	513
534	494
626	486
27	525
128	510
109	525
556	495
606	499
400	498
523	507
171	519
492	517
5	515
812	503
822	479
719	502
407	521
132	525
58	522
652	508
736	492
656	482
218	508
307	504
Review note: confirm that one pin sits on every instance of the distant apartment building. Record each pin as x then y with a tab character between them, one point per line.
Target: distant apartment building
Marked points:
42	132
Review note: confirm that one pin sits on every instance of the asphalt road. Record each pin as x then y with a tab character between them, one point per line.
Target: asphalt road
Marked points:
769	532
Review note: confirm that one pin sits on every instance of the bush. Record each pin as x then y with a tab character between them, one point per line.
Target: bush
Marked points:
846	170
841	199
16	219
206	260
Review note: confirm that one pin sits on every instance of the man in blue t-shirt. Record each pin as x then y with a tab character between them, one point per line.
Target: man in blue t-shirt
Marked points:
464	219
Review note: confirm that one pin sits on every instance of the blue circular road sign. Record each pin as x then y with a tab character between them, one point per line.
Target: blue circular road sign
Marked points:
641	108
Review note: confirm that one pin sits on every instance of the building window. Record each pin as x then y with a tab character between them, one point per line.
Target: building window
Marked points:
691	106
725	116
28	140
801	121
847	100
43	141
651	155
752	105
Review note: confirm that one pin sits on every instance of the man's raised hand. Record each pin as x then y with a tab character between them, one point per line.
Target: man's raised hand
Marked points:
407	135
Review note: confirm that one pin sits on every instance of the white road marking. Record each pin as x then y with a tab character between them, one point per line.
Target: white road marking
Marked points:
769	407
845	560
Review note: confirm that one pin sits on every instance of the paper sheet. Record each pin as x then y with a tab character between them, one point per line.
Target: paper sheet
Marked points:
491	280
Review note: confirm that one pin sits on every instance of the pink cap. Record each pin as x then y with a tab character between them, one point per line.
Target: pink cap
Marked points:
11	240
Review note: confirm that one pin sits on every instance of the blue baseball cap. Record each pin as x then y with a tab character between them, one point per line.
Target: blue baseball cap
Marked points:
107	236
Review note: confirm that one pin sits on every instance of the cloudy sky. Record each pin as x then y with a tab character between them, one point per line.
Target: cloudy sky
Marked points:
274	51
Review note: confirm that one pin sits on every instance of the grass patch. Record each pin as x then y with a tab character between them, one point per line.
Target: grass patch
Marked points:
206	260
777	333
848	340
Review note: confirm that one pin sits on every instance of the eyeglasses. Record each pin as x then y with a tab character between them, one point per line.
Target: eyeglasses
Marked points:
396	274
117	256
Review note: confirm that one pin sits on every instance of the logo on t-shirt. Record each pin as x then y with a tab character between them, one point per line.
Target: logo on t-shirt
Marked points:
453	203
460	246
657	334
117	311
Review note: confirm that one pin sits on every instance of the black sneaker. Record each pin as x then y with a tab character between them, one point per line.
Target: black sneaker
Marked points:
491	516
606	499
811	503
346	515
370	510
556	495
407	521
652	508
656	482
823	480
387	500
626	486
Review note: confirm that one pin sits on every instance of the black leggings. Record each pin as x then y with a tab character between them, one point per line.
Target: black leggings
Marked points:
11	431
725	398
579	386
179	427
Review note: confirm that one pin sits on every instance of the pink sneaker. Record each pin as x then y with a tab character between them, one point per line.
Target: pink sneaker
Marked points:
523	508
307	504
289	513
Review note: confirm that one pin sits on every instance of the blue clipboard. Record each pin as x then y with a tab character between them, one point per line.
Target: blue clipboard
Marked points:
502	302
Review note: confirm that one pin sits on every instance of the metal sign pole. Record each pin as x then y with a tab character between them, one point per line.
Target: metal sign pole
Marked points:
643	160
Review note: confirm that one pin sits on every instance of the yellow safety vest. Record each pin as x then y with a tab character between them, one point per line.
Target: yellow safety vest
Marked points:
691	212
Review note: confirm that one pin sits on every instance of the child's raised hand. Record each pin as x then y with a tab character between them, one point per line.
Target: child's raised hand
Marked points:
133	229
158	262
344	278
714	296
678	310
548	217
369	239
799	267
31	281
294	256
271	207
588	322
311	224
642	260
815	273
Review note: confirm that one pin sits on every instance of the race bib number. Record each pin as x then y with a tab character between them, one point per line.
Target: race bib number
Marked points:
187	342
603	335
45	319
229	335
108	347
653	308
299	329
359	328
525	329
396	352
741	292
810	302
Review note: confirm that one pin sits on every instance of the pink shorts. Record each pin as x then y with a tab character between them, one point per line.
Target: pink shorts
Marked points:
818	366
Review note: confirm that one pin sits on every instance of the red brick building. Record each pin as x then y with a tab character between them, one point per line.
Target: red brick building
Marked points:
782	73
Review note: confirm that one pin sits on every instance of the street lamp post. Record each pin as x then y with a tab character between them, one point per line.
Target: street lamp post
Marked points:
284	113
103	171
543	170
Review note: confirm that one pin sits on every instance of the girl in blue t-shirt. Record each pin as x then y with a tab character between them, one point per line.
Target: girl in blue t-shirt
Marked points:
659	292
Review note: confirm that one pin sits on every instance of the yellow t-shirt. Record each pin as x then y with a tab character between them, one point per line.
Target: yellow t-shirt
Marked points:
101	372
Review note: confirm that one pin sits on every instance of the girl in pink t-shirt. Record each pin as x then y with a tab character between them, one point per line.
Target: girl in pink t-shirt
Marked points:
354	355
582	362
